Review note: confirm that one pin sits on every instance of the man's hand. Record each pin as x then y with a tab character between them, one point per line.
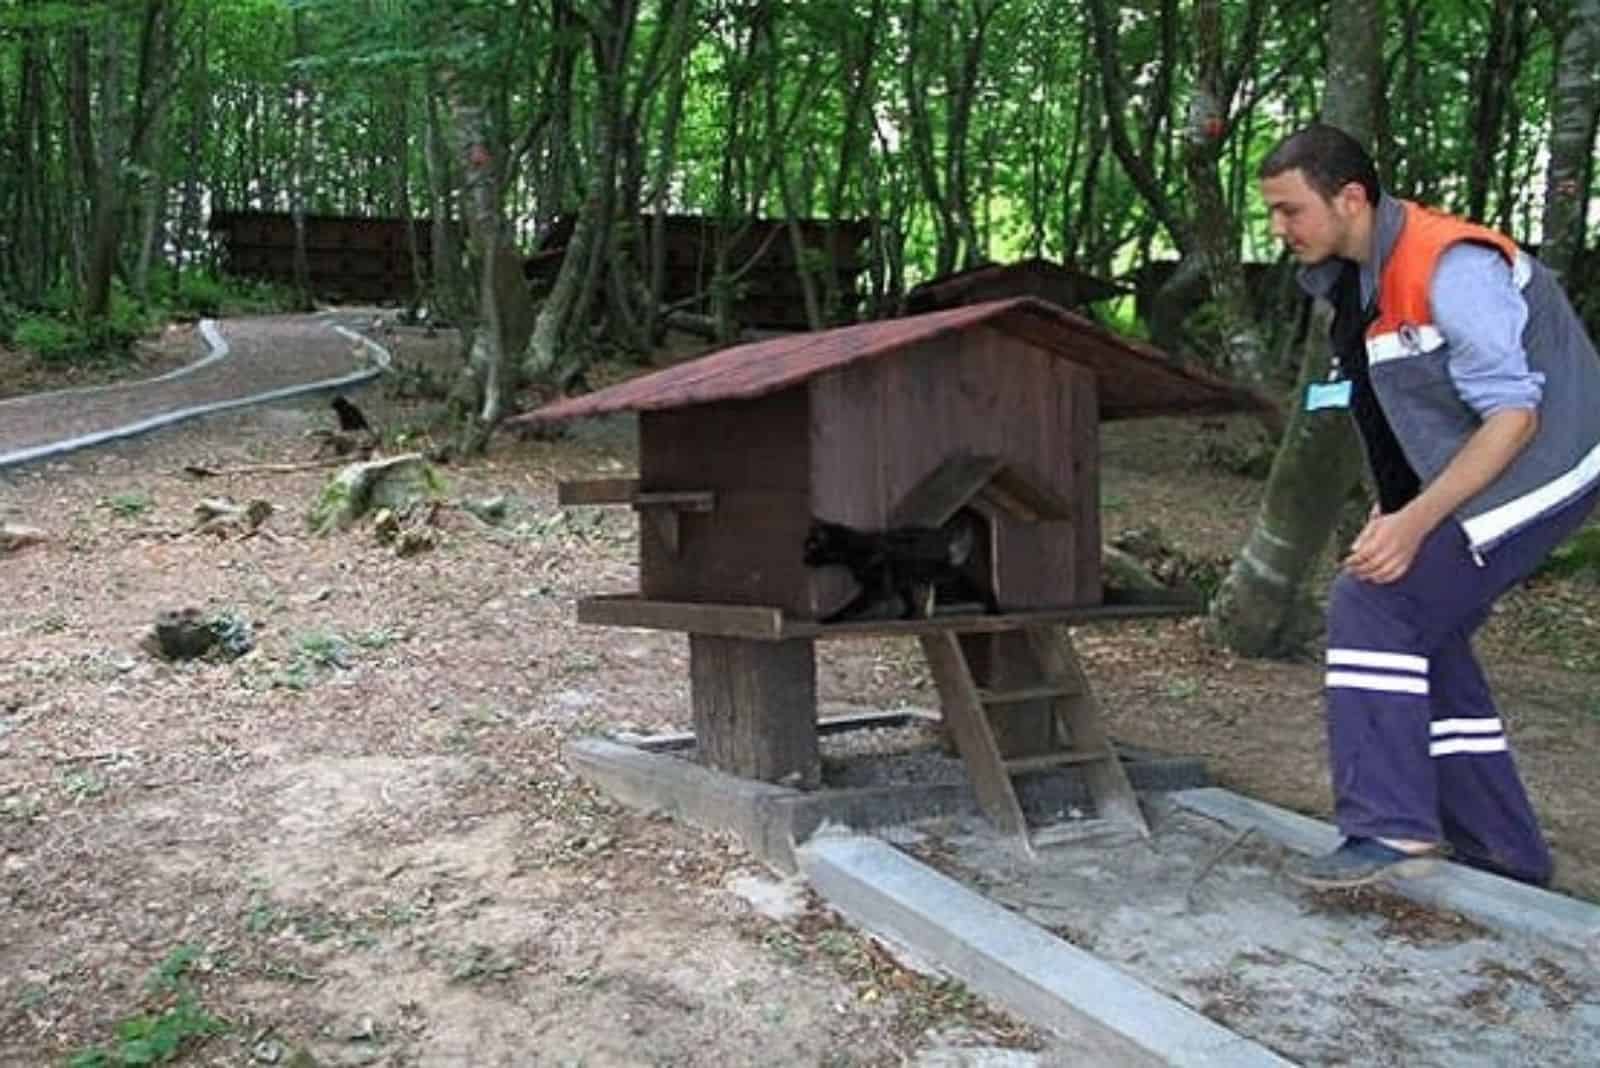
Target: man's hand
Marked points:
1387	545
1384	549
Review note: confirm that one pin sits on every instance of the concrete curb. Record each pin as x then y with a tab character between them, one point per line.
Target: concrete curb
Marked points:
155	422
1500	904
1107	1016
769	819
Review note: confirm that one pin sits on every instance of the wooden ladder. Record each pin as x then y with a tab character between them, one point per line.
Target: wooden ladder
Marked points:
1079	731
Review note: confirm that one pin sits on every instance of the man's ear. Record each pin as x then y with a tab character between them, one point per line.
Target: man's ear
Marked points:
1352	196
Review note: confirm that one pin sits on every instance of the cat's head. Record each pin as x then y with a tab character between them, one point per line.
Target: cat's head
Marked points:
825	544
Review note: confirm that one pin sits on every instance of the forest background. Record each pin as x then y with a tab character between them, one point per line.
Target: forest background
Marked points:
1119	138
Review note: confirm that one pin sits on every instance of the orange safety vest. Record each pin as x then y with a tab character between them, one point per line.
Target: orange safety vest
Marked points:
1404	326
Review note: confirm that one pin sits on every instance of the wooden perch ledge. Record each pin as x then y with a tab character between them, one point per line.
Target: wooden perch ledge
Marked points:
659	510
626	491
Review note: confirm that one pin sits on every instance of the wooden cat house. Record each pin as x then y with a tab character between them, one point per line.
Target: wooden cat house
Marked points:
989	410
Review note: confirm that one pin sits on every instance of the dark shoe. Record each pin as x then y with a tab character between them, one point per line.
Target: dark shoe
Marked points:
1358	862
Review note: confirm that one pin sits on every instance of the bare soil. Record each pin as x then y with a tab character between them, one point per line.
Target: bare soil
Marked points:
358	843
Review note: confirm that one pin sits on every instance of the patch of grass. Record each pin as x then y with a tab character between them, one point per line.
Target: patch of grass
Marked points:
480	963
314	651
297	677
20	807
169	974
158	1034
1577	557
53	341
83	785
324	648
261	917
129	505
53	623
379	637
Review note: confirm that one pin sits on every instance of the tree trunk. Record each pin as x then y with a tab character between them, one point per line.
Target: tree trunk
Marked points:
1574	112
1261	608
106	187
1136	164
190	224
1212	225
33	253
302	164
672	121
505	312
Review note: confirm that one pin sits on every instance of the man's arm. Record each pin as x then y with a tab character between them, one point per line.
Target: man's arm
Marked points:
1481	313
1384	549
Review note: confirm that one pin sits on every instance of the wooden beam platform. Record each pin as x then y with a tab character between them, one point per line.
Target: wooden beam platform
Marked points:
765	623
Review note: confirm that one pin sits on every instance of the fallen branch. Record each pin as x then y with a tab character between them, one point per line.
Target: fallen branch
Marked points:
201	471
1188	895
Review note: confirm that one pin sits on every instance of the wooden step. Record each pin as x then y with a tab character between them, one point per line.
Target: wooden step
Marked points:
1026	693
1046	761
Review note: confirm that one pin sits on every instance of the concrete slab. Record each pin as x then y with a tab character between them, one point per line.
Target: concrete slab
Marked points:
698	796
1201	914
1128	945
1103	1014
1500	904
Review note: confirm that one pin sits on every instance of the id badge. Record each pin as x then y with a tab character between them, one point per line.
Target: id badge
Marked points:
1320	395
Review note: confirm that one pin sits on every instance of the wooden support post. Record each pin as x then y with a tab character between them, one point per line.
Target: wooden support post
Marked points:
1079	715
755	707
964	714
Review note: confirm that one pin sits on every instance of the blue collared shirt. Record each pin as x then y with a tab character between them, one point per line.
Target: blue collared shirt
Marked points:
1481	313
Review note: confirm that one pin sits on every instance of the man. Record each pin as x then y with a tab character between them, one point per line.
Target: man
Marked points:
1477	396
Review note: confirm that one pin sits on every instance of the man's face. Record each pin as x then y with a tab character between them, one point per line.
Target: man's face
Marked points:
1313	227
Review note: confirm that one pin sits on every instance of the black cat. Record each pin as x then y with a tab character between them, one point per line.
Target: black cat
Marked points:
901	571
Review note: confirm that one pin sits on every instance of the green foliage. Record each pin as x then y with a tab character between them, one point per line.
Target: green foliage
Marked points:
1577	557
50	339
200	294
58	338
129	504
157	1035
153	1038
324	648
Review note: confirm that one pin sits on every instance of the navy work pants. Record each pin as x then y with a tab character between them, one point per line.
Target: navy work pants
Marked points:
1417	747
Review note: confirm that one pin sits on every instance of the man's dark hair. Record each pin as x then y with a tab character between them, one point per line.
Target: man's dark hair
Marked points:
1328	157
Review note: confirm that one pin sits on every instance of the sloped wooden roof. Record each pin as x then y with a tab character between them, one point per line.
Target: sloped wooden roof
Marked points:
1134	379
1063	284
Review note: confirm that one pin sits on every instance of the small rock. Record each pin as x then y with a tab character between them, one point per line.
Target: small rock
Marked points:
267	1051
414	541
488	509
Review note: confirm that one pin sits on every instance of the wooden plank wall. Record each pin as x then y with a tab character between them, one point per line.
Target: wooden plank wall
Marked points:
881	425
755	456
348	258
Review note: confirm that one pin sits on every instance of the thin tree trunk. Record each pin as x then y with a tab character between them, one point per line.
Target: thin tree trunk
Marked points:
1261	608
1574	114
666	157
190	223
105	205
504	309
1212	223
1135	164
1495	79
301	180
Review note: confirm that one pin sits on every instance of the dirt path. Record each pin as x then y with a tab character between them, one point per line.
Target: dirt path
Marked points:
261	355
